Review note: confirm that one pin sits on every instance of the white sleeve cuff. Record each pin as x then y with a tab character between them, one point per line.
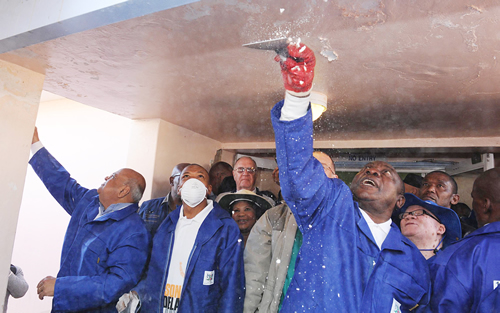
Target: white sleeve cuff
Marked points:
35	147
294	107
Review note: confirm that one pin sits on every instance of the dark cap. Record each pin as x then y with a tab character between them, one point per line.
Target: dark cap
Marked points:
413	180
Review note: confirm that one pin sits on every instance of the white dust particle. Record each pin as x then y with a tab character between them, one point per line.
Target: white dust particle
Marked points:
330	55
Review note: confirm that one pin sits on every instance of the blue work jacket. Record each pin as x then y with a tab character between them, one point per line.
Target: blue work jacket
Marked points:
100	260
340	267
218	247
466	274
153	213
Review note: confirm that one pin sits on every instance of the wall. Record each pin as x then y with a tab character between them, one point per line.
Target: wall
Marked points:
157	146
465	182
91	144
20	91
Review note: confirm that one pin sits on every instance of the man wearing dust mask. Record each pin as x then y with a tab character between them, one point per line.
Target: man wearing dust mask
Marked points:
197	257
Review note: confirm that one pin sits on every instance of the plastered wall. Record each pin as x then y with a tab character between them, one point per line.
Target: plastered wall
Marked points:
157	146
20	91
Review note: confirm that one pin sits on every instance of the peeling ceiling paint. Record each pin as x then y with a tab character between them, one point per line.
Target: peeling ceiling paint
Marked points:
390	69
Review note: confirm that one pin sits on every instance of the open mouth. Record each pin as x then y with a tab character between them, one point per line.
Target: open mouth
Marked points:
368	182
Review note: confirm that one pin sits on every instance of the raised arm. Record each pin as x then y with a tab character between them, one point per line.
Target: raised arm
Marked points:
304	184
55	177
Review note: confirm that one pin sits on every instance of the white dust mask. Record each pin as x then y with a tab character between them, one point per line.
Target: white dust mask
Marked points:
193	192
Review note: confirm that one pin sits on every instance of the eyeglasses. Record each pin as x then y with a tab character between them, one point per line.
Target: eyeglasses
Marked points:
250	170
418	213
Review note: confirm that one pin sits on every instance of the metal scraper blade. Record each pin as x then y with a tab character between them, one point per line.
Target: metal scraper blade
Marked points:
271	44
279	45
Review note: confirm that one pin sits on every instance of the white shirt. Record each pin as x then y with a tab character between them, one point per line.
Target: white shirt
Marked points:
379	231
186	231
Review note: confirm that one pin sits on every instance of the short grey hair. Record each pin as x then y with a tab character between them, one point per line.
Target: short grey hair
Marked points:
247	157
136	190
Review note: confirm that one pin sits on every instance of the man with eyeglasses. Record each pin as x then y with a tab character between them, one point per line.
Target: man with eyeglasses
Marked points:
154	211
353	258
466	275
429	226
244	173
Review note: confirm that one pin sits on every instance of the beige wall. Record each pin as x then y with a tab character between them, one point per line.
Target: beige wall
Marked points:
20	91
465	182
157	146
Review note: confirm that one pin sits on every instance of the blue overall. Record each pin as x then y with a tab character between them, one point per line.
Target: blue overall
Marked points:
340	267
101	259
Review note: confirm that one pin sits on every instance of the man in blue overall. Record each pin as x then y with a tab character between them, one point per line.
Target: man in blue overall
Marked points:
153	212
466	274
353	258
197	257
106	244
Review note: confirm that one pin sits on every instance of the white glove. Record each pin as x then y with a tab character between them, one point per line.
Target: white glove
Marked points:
128	303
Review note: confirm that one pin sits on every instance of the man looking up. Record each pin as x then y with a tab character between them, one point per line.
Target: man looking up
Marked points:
106	244
429	226
441	188
271	253
466	275
153	212
197	257
353	258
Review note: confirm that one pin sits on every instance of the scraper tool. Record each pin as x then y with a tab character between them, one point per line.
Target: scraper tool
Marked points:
279	45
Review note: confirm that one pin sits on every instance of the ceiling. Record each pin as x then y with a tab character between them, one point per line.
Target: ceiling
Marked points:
397	69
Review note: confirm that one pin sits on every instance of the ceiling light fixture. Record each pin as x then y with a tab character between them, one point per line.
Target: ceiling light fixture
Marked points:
318	104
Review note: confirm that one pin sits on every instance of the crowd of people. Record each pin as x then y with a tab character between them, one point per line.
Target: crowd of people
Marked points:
217	243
